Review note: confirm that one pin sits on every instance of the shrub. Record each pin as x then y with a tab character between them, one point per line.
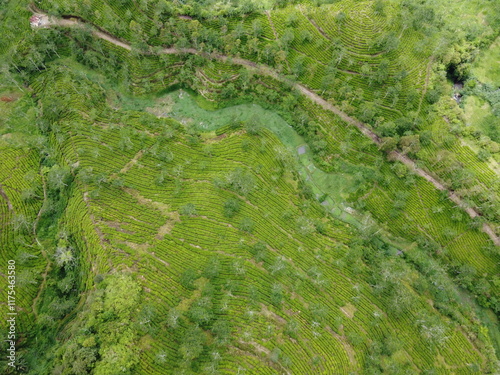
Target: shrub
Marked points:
247	225
231	207
189	210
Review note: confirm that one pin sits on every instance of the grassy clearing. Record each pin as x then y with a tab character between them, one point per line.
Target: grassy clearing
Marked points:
273	283
485	68
476	111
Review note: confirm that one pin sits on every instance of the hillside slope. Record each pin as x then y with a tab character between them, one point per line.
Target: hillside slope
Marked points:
153	237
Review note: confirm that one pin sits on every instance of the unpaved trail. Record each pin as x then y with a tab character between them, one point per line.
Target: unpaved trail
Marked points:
326	36
265	70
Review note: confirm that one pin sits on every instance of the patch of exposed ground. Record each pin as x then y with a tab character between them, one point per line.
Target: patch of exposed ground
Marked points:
165	229
129	165
348	310
5	196
162	107
270	314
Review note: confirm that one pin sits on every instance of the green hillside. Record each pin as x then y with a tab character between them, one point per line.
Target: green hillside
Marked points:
281	187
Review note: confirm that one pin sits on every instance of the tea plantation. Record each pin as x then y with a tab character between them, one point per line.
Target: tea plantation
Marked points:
247	187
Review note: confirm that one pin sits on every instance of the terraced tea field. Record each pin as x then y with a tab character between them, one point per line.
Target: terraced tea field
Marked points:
248	189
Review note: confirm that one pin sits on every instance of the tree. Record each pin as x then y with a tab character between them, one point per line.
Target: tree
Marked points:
366	69
21	223
305	226
292	20
379	7
64	255
340	17
432	329
367	112
269	53
287	38
188	278
298	67
432	96
305	37
285	157
279	266
327	83
387	42
231	207
222	331
401	300
276	294
192	344
79	360
292	328
58	177
173	318
200	311
239	30
393	93
483	155
240	181
253	125
228	91
410	144
338	53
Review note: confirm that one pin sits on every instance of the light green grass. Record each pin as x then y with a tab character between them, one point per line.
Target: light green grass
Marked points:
487	66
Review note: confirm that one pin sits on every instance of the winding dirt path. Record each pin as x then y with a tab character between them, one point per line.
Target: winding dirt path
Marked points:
47	21
6	197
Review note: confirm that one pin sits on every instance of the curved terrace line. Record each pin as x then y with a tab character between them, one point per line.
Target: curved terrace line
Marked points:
47	21
6	198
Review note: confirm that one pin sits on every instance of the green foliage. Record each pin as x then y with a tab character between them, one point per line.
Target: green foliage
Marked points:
287	255
231	207
247	225
188	277
105	340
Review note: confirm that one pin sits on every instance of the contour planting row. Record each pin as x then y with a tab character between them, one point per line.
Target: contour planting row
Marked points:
19	170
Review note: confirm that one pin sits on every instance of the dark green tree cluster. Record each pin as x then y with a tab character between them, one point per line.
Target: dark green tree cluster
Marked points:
105	338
